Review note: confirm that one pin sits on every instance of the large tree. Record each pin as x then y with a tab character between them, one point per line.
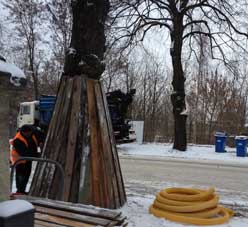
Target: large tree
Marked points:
185	20
80	134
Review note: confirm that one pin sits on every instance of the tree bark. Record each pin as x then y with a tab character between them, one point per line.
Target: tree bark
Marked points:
88	39
178	96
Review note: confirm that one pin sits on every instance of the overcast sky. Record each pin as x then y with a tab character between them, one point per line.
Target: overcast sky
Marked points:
157	41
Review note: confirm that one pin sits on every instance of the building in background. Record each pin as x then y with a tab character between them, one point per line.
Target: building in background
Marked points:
12	88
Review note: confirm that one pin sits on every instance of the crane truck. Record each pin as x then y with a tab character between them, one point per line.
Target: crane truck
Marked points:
39	113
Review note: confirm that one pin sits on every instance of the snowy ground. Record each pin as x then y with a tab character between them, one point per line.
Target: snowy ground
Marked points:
141	193
139	201
194	152
137	207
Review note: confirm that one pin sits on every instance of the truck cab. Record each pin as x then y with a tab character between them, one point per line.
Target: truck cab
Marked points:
36	113
28	113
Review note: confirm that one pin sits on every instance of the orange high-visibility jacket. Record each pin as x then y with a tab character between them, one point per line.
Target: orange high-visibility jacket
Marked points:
14	156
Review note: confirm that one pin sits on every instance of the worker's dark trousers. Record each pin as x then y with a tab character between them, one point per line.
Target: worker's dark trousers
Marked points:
23	172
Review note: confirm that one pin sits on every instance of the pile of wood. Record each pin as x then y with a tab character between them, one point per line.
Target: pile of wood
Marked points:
50	213
80	138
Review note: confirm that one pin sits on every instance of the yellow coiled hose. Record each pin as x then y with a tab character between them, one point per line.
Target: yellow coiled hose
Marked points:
190	206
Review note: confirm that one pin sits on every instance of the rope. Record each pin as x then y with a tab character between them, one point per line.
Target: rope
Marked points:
190	206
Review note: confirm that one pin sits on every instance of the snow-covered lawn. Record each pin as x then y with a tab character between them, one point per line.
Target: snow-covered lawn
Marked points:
194	152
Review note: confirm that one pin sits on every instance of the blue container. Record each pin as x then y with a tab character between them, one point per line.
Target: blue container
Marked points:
220	142
241	145
47	104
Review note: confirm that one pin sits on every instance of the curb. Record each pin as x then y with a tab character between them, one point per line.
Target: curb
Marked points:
207	162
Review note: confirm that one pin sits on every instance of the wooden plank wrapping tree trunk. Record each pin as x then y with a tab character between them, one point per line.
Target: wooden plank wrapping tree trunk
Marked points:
80	135
65	145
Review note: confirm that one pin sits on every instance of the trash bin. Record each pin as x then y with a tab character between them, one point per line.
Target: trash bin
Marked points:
15	213
241	145
220	142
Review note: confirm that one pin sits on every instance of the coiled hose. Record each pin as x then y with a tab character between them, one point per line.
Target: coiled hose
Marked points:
190	206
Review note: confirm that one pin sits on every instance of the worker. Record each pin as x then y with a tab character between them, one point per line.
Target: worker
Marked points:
39	135
24	144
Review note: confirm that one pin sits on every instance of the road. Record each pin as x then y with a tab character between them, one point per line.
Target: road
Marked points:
150	176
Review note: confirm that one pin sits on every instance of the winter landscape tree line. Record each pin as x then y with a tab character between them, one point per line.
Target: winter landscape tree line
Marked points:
36	33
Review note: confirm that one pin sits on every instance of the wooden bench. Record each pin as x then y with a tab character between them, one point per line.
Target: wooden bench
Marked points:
52	213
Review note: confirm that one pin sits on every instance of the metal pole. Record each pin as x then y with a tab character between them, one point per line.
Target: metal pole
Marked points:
40	160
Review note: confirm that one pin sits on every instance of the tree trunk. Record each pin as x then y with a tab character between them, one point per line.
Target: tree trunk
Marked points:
80	135
178	96
36	85
88	39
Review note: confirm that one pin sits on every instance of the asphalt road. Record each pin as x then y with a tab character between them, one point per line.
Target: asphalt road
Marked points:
149	176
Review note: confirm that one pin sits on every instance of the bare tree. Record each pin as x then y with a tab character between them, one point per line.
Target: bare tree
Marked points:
185	20
26	17
1	35
60	17
221	105
116	67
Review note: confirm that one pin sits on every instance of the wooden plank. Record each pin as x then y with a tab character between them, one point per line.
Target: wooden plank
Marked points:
76	208
107	150
38	176
73	216
121	188
85	185
60	221
49	186
80	127
94	145
104	196
58	147
104	161
72	137
113	224
52	138
38	223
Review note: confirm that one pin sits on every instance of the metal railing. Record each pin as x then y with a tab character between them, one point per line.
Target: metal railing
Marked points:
40	160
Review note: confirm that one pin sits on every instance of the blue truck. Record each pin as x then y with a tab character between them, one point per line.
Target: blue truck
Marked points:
39	113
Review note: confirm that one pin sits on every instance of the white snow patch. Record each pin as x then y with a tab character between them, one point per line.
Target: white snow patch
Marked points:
72	50
194	152
172	45
81	63
16	73
13	207
241	137
137	212
89	4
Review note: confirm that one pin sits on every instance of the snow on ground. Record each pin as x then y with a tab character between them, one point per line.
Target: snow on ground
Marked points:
141	194
137	207
194	152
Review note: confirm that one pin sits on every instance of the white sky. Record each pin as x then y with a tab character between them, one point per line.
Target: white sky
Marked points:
157	42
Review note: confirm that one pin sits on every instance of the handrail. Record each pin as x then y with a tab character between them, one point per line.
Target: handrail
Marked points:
40	160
